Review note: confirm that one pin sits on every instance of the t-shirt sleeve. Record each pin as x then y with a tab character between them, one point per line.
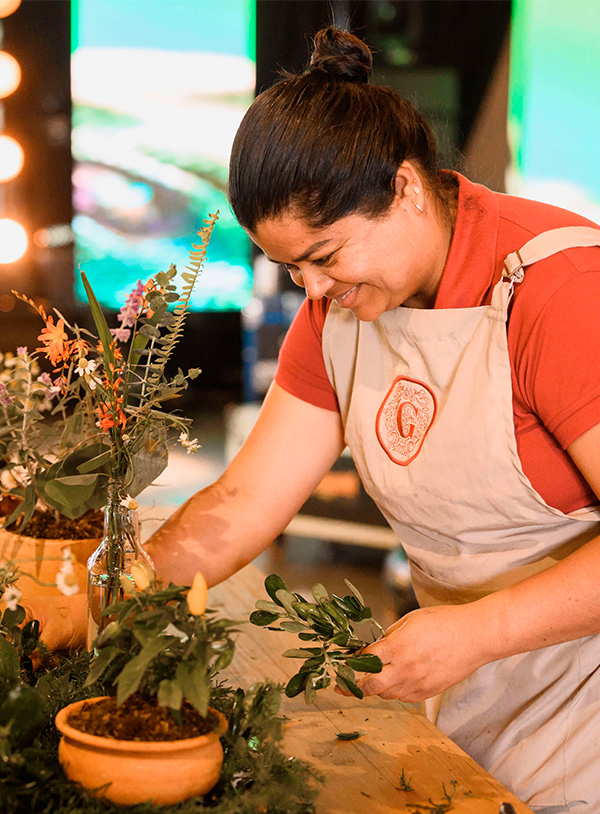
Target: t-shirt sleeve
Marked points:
558	368
301	369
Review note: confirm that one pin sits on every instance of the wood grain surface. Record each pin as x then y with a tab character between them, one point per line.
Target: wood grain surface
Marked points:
362	775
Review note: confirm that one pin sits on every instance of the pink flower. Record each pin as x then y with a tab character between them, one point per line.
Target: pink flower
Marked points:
5	399
121	334
130	311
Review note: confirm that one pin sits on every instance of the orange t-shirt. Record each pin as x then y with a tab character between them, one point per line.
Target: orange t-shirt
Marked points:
553	333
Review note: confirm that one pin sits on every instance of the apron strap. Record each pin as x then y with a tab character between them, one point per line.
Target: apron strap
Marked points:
539	248
547	244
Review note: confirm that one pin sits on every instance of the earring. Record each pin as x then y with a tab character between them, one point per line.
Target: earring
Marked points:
417	191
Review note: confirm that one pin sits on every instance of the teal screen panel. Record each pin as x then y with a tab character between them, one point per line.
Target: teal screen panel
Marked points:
159	89
554	103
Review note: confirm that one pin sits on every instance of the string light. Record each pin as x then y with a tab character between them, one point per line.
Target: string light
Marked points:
10	74
13	241
11	158
8	6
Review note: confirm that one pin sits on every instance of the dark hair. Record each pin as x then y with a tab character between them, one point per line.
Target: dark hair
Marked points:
326	143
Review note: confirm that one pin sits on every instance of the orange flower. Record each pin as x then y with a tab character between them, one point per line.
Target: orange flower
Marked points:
55	340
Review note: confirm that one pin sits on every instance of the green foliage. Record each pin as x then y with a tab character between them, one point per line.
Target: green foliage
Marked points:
156	647
329	624
256	774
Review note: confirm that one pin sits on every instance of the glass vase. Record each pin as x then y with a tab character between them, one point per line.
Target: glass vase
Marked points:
109	568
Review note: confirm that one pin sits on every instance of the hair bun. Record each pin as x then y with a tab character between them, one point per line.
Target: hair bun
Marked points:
342	55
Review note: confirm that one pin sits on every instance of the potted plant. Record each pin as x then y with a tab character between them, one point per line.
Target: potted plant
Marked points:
106	435
155	736
34	433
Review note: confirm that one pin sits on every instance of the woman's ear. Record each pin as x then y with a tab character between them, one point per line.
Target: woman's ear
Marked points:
408	186
407	178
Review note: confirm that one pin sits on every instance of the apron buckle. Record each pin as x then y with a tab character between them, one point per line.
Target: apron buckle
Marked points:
514	271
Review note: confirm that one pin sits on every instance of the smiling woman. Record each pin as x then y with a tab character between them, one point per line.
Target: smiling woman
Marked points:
449	339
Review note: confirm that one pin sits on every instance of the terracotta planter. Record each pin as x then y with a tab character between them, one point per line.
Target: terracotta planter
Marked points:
130	772
42	558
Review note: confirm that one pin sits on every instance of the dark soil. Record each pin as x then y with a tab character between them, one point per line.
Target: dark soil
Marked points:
138	719
47	526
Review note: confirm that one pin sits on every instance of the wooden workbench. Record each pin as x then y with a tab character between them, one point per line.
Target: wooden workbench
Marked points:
363	774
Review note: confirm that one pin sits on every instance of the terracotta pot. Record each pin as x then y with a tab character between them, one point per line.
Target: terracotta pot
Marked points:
42	558
130	772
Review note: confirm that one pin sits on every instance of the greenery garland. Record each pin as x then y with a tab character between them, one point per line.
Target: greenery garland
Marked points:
256	776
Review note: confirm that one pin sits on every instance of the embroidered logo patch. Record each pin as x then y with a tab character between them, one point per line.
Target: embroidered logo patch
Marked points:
404	419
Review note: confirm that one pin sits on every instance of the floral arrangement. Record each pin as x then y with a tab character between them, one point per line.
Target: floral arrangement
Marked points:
98	416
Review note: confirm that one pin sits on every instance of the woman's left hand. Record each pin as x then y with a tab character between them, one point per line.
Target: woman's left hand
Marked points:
425	653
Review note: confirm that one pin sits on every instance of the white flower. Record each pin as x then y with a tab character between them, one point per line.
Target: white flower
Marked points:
66	580
11	597
190	445
92	382
128	502
85	366
15	477
69	559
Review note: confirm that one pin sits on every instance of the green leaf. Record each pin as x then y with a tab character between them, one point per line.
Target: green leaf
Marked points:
319	592
302	652
274	583
14	617
91	465
131	675
9	660
293	627
72	491
355	591
348	736
99	664
150	331
347	673
104	333
288	600
269	607
149	458
365	663
170	694
348	686
310	690
193	680
262	618
21	715
296	684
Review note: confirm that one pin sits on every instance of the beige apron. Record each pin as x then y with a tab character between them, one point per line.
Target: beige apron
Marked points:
426	401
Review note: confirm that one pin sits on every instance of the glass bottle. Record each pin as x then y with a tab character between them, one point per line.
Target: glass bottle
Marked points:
109	567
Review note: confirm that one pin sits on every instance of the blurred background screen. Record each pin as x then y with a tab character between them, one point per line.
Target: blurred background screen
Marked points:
158	91
554	114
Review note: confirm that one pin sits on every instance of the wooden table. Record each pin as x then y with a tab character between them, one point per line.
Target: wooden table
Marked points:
363	774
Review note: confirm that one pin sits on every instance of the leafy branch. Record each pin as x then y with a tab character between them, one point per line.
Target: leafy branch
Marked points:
329	624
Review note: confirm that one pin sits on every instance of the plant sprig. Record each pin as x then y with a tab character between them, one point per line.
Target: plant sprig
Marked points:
329	624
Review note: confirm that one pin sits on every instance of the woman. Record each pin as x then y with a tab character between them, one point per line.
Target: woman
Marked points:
477	434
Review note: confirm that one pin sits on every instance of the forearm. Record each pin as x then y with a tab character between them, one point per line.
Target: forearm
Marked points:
216	531
556	605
